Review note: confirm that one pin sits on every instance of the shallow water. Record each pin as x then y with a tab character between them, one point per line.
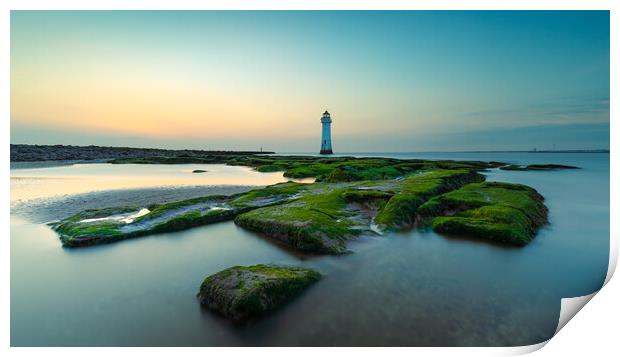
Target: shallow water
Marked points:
42	182
413	289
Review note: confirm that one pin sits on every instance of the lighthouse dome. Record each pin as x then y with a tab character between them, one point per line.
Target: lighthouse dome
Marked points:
326	118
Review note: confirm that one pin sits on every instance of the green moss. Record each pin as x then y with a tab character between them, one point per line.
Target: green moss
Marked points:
168	217
501	212
364	195
270	168
322	216
340	175
400	210
317	222
165	208
348	169
308	170
242	293
282	190
192	219
498	232
71	228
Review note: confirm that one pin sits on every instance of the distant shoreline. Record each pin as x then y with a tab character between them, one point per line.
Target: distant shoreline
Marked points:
92	153
597	151
29	153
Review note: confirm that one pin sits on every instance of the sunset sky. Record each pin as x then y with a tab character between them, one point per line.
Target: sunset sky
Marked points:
393	81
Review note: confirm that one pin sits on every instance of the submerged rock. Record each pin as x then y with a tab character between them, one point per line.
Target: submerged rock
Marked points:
240	292
537	167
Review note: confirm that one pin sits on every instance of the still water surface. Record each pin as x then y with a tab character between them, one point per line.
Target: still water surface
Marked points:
412	289
45	182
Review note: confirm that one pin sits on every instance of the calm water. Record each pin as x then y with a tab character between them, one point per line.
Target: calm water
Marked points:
30	183
403	289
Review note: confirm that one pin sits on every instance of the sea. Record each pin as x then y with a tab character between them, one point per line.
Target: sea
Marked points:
414	288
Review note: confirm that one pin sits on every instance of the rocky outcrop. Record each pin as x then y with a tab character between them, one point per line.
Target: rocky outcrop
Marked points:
241	293
495	211
353	197
99	226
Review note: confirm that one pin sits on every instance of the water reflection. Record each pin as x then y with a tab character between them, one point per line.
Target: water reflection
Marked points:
31	183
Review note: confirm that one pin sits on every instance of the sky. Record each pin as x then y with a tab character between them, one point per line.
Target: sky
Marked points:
394	81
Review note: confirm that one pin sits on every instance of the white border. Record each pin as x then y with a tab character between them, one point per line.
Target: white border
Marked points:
597	323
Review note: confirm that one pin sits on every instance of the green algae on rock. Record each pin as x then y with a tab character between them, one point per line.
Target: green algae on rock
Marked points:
112	224
350	169
241	293
351	196
317	222
328	214
414	190
495	211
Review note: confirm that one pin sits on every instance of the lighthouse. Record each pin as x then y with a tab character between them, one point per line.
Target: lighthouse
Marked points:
326	140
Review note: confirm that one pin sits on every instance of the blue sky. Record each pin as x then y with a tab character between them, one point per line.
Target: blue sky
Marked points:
393	80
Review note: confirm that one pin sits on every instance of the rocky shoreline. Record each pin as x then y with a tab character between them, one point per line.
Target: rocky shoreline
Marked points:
351	197
23	152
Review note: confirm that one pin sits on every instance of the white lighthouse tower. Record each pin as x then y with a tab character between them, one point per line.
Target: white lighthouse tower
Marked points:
326	140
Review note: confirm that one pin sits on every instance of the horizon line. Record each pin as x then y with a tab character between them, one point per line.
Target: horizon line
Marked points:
598	151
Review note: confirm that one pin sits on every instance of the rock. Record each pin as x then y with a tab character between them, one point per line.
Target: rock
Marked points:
241	293
351	197
495	211
400	210
198	171
97	226
537	167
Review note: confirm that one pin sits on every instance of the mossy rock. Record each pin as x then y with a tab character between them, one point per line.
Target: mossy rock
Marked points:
317	222
99	226
241	293
495	211
366	195
199	171
351	196
270	168
400	210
